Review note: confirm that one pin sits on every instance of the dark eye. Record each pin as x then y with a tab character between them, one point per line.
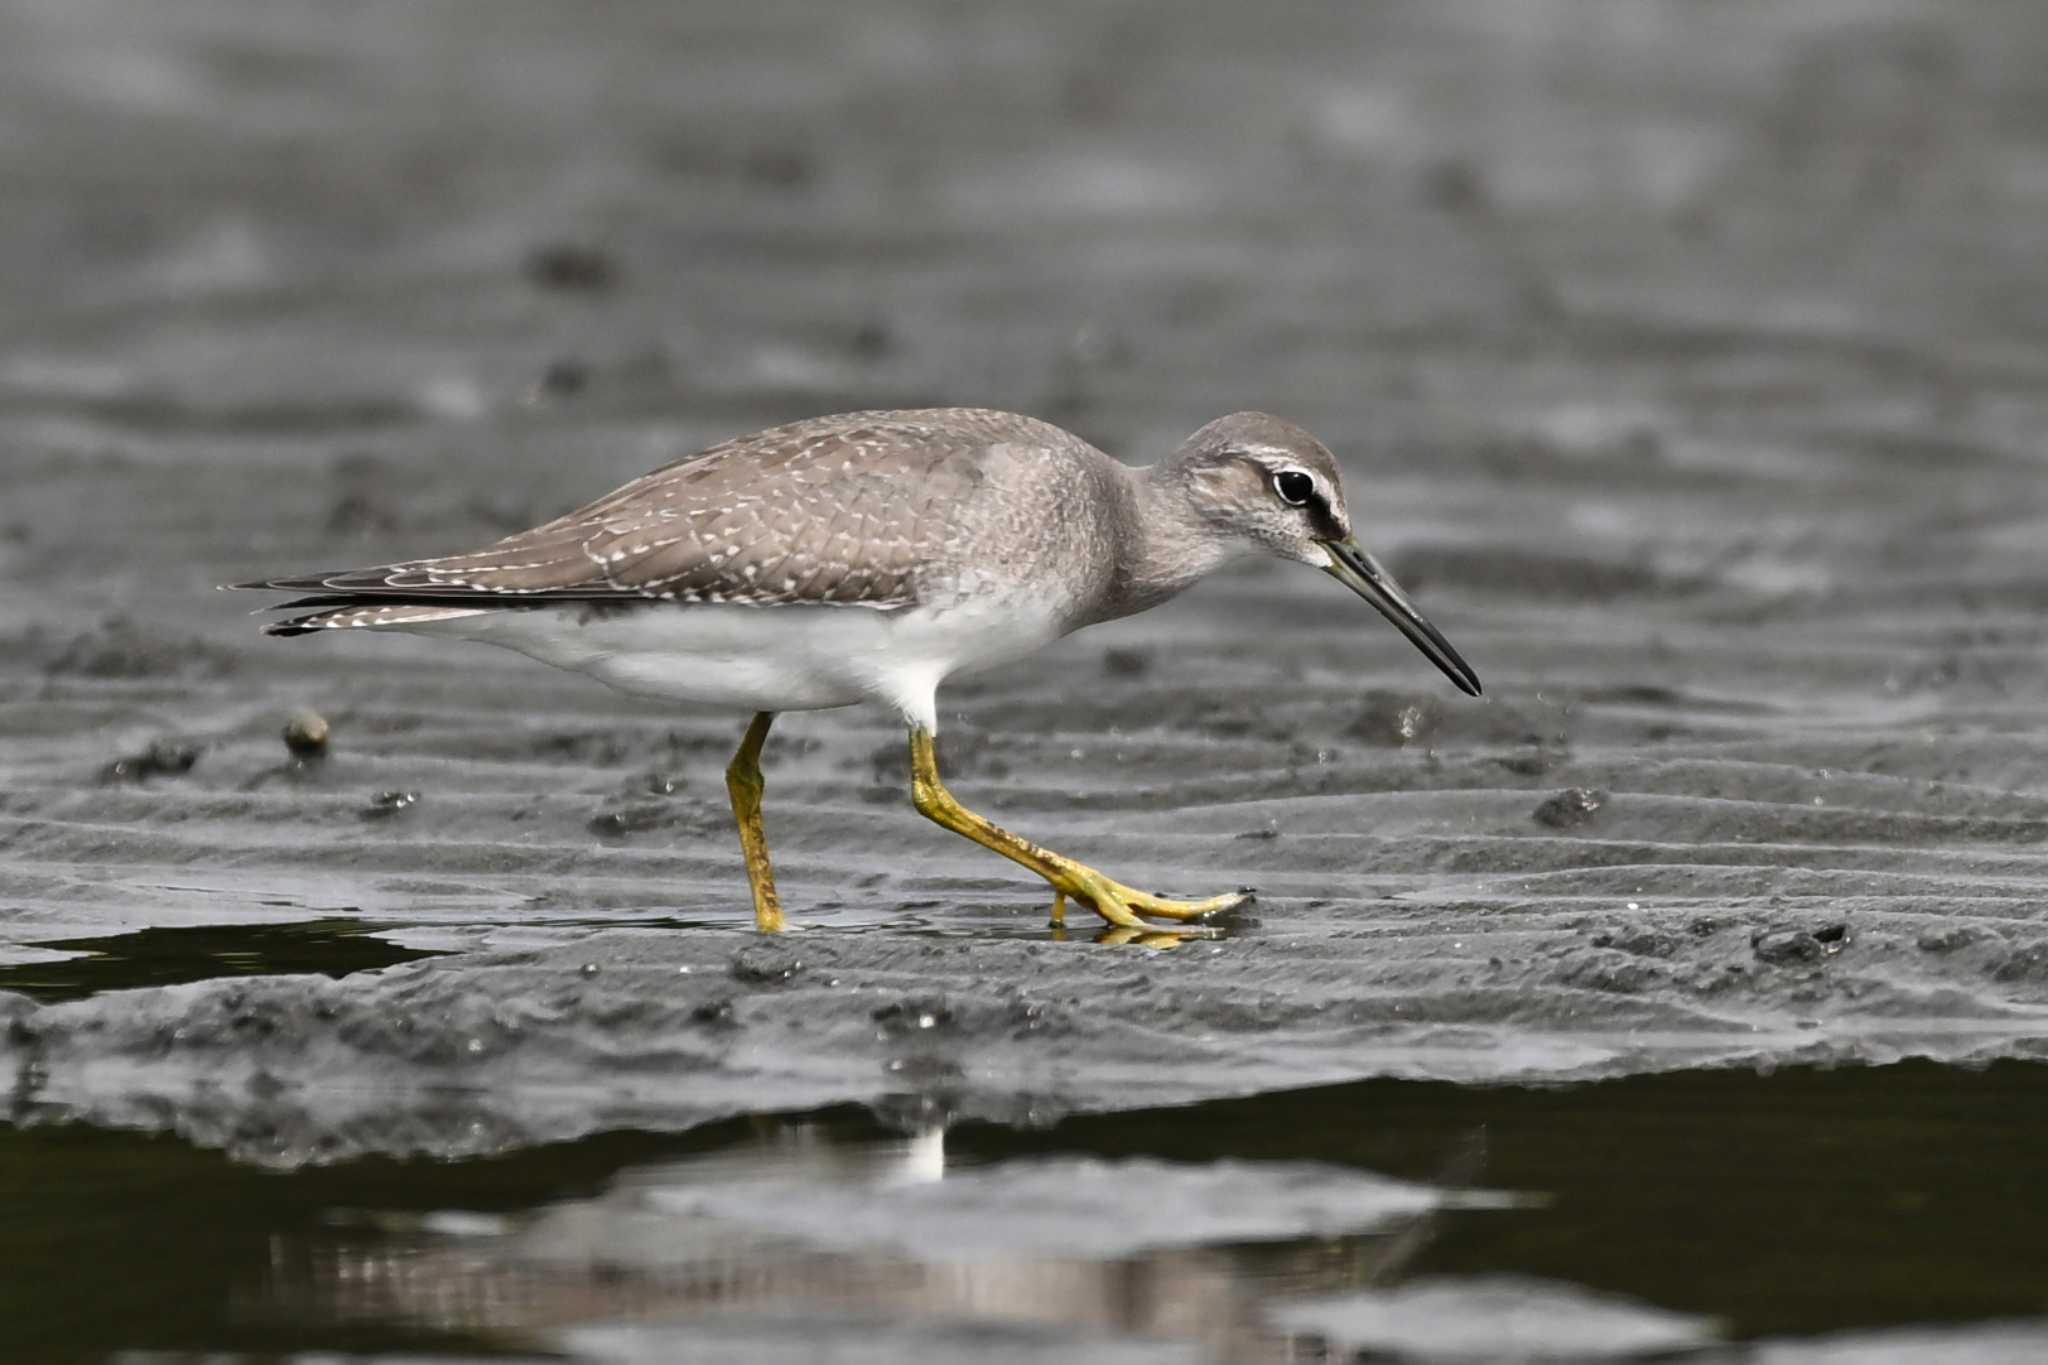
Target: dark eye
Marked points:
1294	487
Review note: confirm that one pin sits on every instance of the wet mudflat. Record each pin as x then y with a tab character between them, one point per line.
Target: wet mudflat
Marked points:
1684	361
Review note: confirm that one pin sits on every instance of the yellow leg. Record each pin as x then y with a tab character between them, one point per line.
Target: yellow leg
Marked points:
743	783
1119	904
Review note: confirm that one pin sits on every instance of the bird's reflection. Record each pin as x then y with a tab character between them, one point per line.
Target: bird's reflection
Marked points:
800	1223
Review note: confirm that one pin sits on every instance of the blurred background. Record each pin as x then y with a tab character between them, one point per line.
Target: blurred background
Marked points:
1553	265
1687	362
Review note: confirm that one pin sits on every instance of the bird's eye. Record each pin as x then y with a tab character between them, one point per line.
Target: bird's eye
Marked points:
1294	487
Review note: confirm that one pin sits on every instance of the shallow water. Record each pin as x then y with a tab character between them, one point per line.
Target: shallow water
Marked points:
1684	362
82	967
1671	1215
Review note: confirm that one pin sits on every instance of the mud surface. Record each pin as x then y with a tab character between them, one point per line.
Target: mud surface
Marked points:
1685	362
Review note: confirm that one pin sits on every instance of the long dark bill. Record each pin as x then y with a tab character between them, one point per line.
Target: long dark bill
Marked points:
1360	572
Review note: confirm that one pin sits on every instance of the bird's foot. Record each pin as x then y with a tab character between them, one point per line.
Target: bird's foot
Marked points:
1123	905
1145	903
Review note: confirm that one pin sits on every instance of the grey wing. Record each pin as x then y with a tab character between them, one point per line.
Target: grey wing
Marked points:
840	511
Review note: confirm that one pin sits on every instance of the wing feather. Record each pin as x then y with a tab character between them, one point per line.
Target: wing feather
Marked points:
840	511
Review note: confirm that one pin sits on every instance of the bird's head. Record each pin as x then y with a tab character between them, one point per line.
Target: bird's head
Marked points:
1265	483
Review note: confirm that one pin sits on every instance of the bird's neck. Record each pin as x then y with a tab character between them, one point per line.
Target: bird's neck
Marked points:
1172	548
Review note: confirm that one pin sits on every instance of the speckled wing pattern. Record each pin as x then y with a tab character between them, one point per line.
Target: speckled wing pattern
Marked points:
834	511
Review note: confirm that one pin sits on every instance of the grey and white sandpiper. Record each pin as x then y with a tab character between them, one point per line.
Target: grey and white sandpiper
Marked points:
870	556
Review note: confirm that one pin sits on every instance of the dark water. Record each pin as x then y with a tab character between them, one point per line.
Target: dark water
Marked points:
1702	1208
162	956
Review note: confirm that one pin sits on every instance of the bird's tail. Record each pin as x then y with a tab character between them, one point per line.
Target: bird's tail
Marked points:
370	616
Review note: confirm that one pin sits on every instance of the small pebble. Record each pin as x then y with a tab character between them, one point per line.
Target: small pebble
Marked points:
1569	808
1946	938
1786	945
306	735
715	1013
765	964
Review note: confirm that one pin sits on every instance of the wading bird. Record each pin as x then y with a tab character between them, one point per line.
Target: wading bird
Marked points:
870	556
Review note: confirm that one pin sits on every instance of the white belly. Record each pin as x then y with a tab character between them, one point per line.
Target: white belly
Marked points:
768	658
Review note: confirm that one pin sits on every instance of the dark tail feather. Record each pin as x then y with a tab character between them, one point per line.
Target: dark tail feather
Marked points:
300	625
356	614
